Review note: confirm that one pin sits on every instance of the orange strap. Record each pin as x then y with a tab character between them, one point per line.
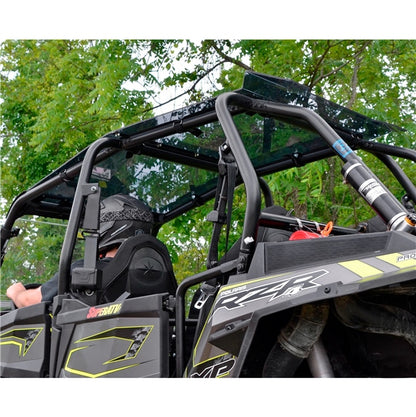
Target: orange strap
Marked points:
327	229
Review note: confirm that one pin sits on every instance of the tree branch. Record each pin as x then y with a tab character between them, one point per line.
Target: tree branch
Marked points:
354	81
335	70
227	58
200	78
312	79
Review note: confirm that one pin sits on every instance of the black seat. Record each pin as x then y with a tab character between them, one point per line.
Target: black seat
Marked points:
142	266
264	234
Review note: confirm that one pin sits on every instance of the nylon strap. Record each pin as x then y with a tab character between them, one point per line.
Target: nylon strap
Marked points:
227	169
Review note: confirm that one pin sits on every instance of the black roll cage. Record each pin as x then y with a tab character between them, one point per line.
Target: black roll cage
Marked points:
226	105
252	184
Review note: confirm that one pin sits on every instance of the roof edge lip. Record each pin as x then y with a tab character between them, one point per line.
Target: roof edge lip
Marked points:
271	88
301	95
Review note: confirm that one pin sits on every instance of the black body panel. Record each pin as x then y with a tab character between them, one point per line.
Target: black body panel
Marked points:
121	339
25	339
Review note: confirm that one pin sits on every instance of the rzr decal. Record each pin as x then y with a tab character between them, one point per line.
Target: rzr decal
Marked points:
285	287
22	338
134	337
214	368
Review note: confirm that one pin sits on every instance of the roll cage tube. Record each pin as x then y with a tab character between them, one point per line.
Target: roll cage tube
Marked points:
384	148
188	282
398	173
19	203
17	209
246	170
84	188
355	170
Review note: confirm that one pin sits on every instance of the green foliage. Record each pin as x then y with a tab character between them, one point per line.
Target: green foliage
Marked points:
57	96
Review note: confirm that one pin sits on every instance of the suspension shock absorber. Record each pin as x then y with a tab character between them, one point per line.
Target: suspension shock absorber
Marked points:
365	182
382	201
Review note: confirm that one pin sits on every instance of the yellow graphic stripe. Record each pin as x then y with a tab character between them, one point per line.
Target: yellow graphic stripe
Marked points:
8	338
119	358
88	374
398	260
361	269
11	342
244	283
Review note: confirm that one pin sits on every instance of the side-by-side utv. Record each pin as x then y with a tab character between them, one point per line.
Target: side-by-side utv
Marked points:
291	297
